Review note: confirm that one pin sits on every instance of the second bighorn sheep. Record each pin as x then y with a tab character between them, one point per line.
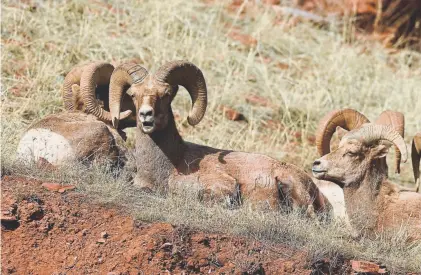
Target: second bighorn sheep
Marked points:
164	159
344	120
350	119
63	138
372	202
74	135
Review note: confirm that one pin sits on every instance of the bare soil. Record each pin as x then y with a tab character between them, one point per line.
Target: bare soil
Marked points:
46	232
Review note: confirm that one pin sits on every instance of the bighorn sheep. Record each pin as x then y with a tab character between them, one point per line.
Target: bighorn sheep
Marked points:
164	159
63	138
372	202
342	121
350	119
415	156
69	136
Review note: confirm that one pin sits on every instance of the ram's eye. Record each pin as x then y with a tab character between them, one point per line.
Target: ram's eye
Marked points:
352	154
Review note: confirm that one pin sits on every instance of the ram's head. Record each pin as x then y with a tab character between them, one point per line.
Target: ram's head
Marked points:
153	94
345	120
358	153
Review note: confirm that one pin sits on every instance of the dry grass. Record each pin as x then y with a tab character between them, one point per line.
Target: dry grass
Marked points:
303	71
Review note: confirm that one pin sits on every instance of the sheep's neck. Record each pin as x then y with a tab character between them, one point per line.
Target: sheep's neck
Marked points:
363	202
158	154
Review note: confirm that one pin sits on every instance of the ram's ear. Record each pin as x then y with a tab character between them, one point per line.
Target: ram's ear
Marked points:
380	150
341	132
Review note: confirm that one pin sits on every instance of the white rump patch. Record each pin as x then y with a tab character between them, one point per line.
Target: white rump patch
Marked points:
43	143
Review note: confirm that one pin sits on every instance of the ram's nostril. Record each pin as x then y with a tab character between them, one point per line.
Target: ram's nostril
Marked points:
316	162
146	113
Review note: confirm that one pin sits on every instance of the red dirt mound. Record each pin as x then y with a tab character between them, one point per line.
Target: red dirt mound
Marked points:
48	232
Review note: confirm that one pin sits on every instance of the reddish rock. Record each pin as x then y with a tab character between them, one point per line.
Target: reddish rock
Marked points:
367	267
56	187
245	39
231	113
8	209
102	240
282	66
259	100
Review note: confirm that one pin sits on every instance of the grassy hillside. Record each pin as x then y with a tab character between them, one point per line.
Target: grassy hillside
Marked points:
298	71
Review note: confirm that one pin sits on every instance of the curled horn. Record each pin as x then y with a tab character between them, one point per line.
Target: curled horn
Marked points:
190	77
397	121
415	157
348	119
67	92
94	74
374	132
122	78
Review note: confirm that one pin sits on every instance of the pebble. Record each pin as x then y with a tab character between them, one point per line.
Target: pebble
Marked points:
102	240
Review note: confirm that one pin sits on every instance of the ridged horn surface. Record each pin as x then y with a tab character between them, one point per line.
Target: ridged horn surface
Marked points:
122	78
98	73
72	78
190	77
375	132
397	121
348	119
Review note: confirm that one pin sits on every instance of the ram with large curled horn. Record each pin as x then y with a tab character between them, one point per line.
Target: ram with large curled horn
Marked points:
165	161
373	203
342	121
160	89
350	119
83	132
